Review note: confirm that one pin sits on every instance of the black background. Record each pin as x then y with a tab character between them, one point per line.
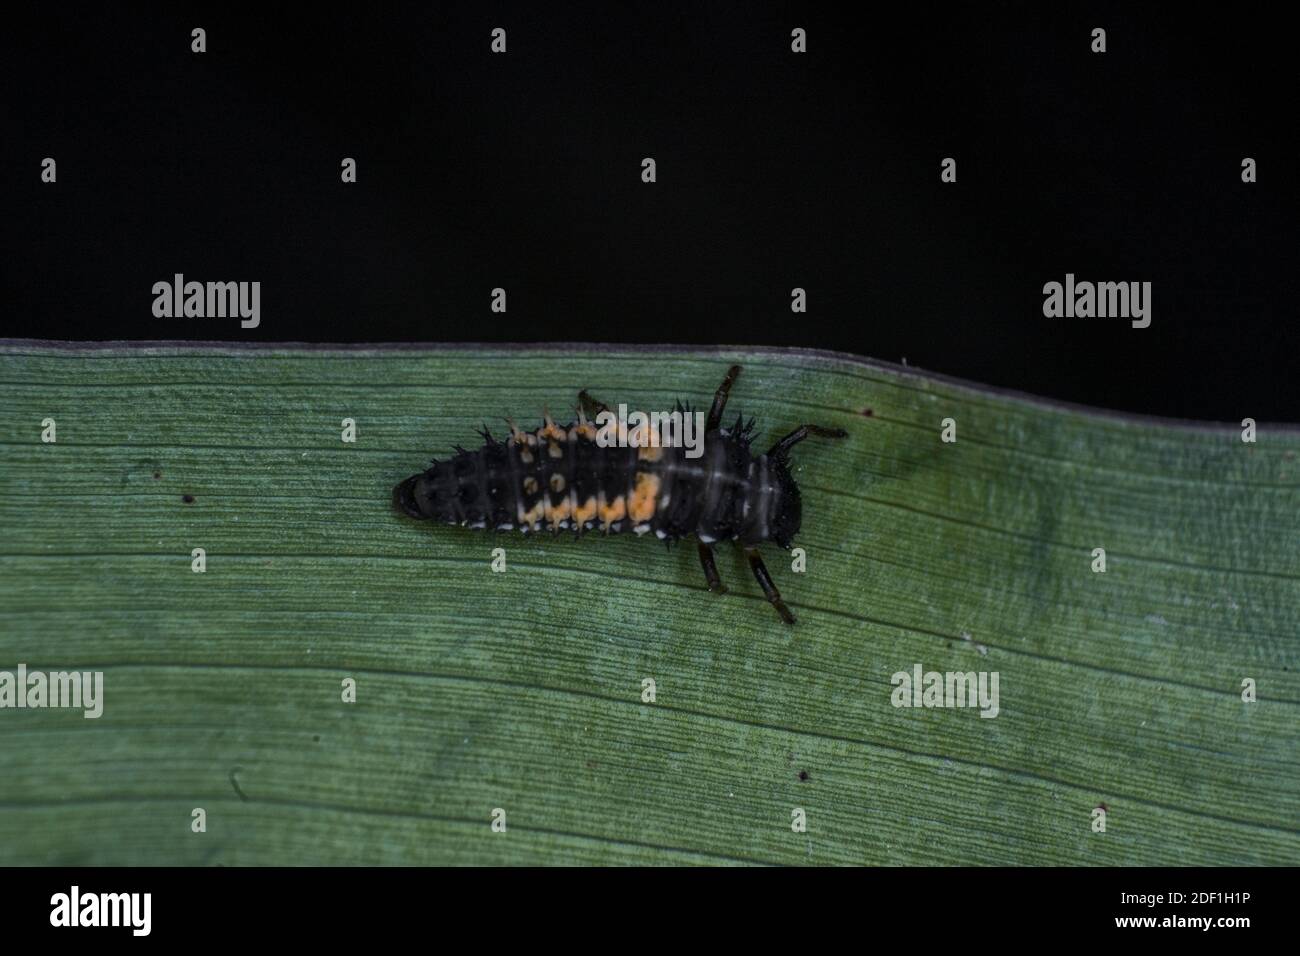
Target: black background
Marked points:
967	908
775	170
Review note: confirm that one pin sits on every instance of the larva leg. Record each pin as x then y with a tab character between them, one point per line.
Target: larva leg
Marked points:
711	570
799	434
720	399
765	582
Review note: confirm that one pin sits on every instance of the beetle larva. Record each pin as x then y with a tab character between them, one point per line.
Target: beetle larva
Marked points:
565	477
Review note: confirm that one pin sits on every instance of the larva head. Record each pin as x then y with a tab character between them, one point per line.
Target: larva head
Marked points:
787	506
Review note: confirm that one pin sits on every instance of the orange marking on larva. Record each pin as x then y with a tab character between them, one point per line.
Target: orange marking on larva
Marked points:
530	485
557	513
554	450
585	512
525	456
615	511
651	453
585	430
557	483
644	494
532	517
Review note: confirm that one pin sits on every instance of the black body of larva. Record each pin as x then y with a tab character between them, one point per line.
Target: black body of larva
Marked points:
561	477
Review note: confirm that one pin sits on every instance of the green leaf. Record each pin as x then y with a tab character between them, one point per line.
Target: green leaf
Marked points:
523	690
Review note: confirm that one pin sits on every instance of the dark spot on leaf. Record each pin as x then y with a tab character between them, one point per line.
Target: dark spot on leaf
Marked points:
315	738
157	475
867	412
1102	806
188	499
235	783
803	774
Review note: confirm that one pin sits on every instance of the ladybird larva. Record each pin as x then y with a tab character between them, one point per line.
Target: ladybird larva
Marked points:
561	477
